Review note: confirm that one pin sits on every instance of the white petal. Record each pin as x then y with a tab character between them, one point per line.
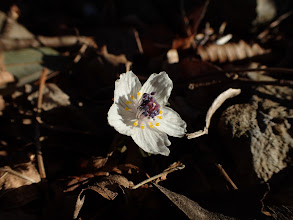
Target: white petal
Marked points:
161	84
171	123
151	141
126	86
121	120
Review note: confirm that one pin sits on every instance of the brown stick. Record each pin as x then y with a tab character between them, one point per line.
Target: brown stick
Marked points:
226	176
138	42
62	41
269	69
38	122
178	166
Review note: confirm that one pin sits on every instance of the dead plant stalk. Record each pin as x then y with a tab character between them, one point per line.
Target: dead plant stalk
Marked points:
38	122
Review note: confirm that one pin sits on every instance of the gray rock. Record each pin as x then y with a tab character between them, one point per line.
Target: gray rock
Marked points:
257	134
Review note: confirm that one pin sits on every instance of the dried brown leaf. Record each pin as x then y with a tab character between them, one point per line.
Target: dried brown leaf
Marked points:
12	29
182	43
53	97
190	208
98	162
16	184
76	182
12	180
78	205
230	52
5	77
103	188
124	167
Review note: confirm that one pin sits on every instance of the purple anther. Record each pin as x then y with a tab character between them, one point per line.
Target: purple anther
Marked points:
149	107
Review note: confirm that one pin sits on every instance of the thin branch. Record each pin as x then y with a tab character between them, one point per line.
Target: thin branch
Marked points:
274	24
63	41
38	122
269	69
138	42
240	82
262	201
178	166
5	173
226	176
81	52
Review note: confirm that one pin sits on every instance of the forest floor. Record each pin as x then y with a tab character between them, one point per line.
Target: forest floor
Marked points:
60	158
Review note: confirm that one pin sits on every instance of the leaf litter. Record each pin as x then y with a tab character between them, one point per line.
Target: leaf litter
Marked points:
57	81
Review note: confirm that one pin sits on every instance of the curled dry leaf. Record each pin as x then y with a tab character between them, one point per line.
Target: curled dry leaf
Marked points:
230	52
230	93
102	188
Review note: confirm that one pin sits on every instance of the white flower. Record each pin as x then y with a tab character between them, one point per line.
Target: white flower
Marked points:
140	112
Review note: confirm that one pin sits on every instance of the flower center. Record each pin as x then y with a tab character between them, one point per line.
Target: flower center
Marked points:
148	107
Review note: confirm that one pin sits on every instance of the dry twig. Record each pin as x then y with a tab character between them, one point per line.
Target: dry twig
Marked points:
63	41
274	24
175	166
38	122
269	70
226	176
138	42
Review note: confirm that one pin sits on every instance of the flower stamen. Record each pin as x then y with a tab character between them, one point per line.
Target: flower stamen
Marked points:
147	106
151	125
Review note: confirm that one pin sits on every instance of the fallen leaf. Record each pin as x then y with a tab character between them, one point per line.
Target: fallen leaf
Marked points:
12	29
5	77
191	209
53	97
102	188
17	185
